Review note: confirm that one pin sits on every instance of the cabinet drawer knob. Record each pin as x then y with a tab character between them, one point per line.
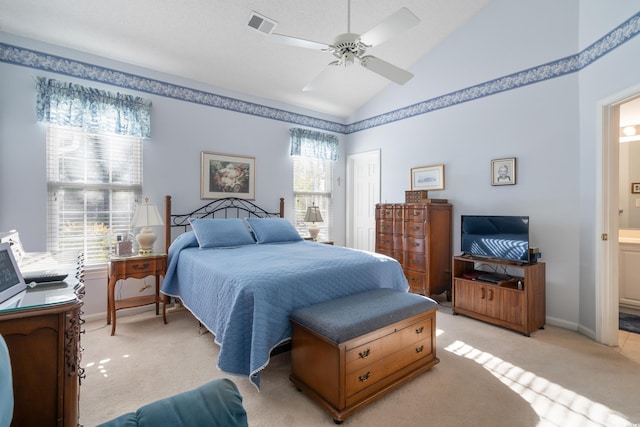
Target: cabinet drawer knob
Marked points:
364	354
141	266
420	349
365	377
420	330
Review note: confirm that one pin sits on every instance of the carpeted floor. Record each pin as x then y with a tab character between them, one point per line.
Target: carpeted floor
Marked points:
487	376
630	322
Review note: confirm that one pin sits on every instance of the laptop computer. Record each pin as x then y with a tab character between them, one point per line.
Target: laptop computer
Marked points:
12	284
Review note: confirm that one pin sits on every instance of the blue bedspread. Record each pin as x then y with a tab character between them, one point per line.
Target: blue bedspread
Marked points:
244	295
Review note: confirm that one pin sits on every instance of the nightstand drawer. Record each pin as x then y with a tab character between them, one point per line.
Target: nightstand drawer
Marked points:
138	268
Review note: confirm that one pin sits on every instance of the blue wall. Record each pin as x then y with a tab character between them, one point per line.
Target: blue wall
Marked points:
485	93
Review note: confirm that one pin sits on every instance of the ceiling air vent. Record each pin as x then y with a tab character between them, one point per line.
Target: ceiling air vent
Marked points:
261	23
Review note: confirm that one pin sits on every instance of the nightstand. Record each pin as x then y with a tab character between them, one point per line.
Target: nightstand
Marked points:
135	267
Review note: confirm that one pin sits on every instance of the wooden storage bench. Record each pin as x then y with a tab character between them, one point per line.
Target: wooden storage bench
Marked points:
347	352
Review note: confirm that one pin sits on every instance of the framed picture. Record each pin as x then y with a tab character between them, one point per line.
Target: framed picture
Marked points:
503	171
635	187
224	175
427	177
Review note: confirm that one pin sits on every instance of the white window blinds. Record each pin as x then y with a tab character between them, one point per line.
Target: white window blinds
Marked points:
94	181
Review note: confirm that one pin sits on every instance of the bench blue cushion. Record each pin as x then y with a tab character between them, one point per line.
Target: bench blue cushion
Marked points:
349	317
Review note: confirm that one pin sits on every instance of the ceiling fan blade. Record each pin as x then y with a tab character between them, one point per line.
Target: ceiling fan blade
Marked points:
386	70
293	41
395	24
319	80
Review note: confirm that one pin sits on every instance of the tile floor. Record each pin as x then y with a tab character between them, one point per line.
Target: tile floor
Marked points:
629	345
628	342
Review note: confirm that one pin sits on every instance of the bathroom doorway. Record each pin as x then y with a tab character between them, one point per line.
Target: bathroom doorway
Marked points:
629	207
608	189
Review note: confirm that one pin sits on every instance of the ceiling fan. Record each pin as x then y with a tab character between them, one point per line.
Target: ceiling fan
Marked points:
349	47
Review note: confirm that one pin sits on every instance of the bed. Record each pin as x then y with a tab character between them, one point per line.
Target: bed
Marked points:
241	271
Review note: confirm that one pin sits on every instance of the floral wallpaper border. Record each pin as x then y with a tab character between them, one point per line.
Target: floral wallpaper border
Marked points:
571	64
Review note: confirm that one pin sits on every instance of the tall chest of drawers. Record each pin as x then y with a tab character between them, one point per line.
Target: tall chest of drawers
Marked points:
418	235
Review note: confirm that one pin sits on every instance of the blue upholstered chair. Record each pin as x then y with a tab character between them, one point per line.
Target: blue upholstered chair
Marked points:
217	403
6	386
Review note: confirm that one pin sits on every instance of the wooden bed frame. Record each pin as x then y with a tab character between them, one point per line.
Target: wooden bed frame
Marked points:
228	207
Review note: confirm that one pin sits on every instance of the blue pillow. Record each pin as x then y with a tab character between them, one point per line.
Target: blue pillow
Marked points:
273	230
221	233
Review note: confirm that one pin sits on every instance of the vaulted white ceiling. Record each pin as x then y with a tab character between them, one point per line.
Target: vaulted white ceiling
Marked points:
209	41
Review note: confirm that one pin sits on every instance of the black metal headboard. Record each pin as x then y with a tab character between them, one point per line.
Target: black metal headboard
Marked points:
228	207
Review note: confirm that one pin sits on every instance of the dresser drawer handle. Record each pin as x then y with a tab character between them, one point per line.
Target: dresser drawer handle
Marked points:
420	330
141	266
365	377
414	228
364	354
420	349
416	245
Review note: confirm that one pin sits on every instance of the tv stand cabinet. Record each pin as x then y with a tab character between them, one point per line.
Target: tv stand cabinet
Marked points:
517	304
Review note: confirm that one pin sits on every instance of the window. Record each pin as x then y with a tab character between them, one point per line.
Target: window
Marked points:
312	180
94	164
313	155
94	182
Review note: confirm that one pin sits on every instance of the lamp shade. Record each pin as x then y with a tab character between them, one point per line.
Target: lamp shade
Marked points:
313	214
146	215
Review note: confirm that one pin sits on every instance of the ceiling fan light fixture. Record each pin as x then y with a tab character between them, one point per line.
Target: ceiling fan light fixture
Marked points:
349	46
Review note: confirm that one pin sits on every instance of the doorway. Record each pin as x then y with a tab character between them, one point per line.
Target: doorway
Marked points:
615	113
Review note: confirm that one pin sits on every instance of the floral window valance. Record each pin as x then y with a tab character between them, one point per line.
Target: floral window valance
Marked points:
305	142
93	110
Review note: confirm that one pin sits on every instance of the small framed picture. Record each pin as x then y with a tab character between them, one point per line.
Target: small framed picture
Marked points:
635	187
503	171
427	177
224	175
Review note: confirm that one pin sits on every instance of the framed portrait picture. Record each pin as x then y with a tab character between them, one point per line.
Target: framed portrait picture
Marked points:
503	171
427	177
635	187
224	175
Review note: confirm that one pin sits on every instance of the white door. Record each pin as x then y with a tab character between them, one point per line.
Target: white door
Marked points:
363	192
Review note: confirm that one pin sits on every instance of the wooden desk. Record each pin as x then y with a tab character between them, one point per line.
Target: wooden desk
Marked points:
43	337
136	267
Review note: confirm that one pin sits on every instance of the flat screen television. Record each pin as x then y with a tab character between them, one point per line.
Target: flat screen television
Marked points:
497	237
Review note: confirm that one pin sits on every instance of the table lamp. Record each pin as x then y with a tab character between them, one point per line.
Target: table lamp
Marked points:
145	216
313	215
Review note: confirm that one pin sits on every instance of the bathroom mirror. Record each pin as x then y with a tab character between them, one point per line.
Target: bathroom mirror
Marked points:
629	210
